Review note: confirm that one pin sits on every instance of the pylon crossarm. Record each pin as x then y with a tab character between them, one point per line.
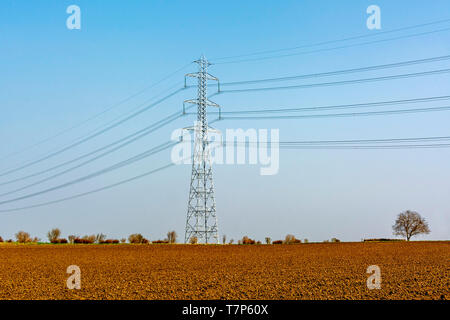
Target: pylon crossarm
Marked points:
212	104
191	101
198	75
211	77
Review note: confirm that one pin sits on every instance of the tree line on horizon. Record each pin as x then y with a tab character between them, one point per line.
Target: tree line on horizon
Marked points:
408	224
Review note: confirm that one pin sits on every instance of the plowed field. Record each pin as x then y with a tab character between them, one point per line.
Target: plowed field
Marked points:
415	270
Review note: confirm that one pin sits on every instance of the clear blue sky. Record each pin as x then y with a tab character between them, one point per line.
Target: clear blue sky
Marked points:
54	78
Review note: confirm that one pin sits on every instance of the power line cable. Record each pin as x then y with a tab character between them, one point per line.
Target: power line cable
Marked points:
126	141
340	72
339	115
85	162
92	191
96	115
92	135
121	164
369	147
334	41
110	186
347	144
103	126
336	48
334	107
354	141
345	82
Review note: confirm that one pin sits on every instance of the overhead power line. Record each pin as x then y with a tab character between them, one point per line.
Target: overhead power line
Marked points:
403	143
406	146
354	141
121	143
121	164
71	146
79	195
335	107
425	142
344	82
341	115
369	147
144	133
96	116
378	33
339	72
337	48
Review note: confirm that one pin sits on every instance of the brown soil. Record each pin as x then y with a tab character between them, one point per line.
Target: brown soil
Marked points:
415	270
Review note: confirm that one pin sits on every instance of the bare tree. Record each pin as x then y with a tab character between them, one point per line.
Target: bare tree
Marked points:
409	224
53	235
224	239
23	237
172	236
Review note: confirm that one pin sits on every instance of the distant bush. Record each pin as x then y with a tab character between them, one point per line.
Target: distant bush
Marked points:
123	240
383	239
90	239
305	240
335	240
109	241
258	242
1	239
137	238
268	240
247	240
82	241
193	240
60	241
277	242
160	241
231	241
23	237
290	239
9	240
85	240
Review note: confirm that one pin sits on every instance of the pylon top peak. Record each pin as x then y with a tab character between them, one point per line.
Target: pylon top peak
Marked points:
203	60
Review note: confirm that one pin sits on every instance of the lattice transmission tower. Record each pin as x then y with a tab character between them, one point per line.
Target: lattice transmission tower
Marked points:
201	219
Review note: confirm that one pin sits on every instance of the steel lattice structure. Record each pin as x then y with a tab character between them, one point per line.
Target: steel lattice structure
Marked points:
201	219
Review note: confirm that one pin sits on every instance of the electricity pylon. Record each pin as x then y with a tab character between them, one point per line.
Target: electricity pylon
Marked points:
201	219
